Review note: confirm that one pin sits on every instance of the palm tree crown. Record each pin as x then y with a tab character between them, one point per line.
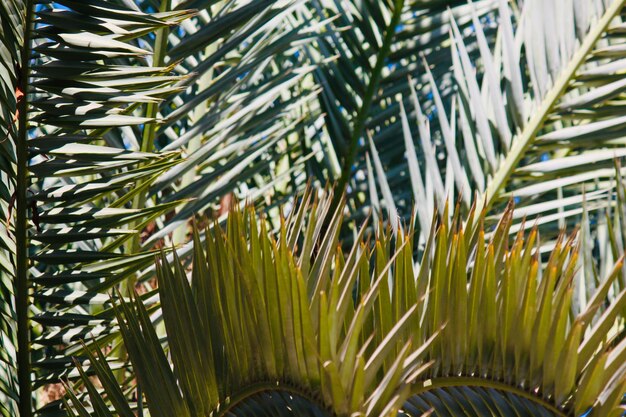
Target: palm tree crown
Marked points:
187	131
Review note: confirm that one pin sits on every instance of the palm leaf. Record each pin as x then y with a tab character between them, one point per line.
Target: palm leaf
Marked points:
122	120
91	172
536	122
12	307
248	290
375	47
483	330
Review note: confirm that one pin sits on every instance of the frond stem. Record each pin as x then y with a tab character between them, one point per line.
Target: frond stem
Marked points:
21	227
364	110
152	110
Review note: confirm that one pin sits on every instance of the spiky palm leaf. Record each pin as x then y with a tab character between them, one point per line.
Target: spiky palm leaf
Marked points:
377	44
259	329
535	117
111	119
268	327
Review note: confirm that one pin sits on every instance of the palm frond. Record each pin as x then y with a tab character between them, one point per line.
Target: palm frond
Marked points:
78	92
476	326
244	108
537	121
259	328
375	47
129	115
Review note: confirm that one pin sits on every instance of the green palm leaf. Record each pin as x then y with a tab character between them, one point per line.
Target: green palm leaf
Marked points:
123	120
245	336
91	173
476	329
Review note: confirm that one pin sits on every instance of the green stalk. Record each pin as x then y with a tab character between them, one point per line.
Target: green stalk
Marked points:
364	110
21	229
526	139
180	234
147	145
152	109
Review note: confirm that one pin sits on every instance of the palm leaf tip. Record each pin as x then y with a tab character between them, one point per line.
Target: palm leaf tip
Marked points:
243	333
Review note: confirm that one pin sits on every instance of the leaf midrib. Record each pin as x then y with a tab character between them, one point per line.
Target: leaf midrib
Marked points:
364	110
21	226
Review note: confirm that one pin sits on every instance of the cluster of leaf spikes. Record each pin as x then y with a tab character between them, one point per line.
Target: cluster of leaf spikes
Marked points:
516	340
256	327
293	325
